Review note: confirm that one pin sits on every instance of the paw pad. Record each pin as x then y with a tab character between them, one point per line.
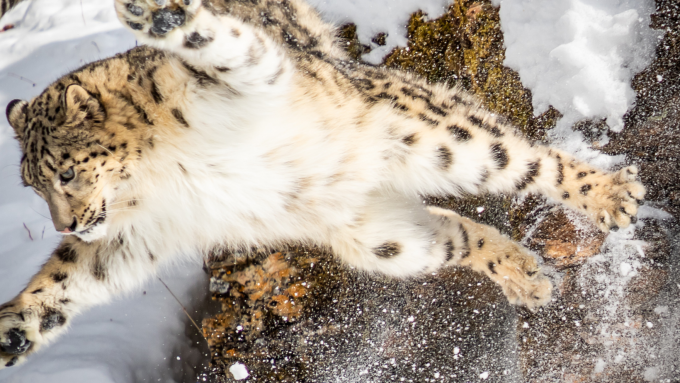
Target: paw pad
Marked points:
165	20
16	343
135	10
12	362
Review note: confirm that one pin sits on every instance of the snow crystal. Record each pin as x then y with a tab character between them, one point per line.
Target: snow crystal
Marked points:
599	366
239	371
661	310
625	268
484	375
651	374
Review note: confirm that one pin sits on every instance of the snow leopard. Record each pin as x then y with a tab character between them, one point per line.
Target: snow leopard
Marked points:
243	123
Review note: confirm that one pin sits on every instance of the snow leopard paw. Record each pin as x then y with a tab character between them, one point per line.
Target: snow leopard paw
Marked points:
617	199
156	19
17	336
25	327
520	277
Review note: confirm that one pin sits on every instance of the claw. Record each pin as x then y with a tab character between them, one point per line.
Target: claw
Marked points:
12	362
165	20
18	344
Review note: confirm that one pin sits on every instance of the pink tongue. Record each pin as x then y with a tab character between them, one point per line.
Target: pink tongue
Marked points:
66	231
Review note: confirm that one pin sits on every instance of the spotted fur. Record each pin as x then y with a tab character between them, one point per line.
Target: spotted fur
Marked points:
245	124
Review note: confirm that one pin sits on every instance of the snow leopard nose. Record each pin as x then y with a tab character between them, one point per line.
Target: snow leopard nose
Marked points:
69	229
165	20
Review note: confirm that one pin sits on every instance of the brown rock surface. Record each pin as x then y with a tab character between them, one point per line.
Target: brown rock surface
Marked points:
563	238
298	316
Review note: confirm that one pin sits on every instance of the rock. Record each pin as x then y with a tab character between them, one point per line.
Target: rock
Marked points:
300	316
563	238
648	283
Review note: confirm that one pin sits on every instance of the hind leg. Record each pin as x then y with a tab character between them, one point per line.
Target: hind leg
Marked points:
391	235
486	250
400	237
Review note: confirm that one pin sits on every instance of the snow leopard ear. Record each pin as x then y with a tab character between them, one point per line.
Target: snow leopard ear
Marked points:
80	106
17	117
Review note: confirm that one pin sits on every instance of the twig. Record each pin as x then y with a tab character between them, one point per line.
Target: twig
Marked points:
184	309
82	13
29	232
21	78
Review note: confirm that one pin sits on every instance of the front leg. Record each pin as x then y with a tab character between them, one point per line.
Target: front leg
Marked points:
77	275
213	47
611	200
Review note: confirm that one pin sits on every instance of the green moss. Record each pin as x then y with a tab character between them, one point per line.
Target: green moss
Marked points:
464	47
348	34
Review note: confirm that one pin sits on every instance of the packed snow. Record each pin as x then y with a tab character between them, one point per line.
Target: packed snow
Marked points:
576	55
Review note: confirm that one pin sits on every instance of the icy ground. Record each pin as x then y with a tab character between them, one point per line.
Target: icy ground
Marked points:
577	55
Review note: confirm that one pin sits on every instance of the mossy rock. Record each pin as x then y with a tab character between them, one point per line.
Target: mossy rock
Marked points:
464	47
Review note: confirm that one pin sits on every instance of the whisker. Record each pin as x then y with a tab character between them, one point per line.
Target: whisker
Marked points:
112	156
38	213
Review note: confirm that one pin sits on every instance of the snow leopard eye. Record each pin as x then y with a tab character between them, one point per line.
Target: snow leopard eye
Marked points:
67	176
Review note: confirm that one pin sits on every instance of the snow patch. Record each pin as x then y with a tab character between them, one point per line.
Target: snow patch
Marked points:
578	56
379	16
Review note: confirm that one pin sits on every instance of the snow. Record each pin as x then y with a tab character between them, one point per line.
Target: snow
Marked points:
579	56
651	374
379	16
239	371
625	268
